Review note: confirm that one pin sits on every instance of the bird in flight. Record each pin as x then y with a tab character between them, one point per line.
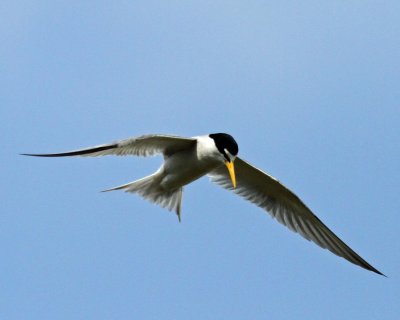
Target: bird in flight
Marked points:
216	155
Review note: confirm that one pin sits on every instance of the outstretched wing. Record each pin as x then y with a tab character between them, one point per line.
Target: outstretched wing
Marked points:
268	193
147	145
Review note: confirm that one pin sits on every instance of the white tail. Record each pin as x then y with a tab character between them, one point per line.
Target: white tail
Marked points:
149	188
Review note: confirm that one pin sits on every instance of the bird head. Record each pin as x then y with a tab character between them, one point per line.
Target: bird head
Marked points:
229	149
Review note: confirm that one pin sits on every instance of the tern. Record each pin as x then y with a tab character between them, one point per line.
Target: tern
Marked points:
216	155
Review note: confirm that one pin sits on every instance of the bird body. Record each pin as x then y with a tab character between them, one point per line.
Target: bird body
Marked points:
188	159
189	165
164	187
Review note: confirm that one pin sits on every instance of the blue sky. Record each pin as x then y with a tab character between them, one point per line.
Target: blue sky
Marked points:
310	91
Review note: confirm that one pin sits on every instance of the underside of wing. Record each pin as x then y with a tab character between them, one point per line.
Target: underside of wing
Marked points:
147	145
282	204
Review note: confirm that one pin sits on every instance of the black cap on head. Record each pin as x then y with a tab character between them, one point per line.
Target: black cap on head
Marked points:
225	141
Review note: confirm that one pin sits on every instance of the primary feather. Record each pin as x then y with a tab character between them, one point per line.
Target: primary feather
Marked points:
283	205
146	145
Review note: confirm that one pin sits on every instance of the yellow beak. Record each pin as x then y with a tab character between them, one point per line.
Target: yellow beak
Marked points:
231	169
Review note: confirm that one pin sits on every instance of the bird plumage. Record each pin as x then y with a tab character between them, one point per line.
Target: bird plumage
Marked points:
269	194
187	159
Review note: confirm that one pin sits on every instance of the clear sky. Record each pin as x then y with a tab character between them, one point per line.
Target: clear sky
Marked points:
309	89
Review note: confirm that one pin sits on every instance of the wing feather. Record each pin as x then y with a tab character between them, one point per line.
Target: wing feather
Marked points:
147	145
268	193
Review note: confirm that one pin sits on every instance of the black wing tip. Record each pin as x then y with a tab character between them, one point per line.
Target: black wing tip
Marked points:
40	155
378	272
72	153
368	267
364	264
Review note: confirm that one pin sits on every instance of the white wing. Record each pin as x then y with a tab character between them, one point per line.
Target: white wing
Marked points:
269	194
147	145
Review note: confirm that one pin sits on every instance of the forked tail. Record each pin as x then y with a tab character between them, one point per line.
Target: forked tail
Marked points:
149	188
